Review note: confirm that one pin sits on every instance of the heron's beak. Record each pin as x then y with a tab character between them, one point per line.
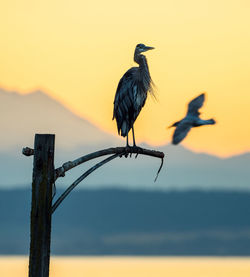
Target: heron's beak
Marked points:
148	48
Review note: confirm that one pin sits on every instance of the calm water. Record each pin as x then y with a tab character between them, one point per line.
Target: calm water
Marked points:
132	267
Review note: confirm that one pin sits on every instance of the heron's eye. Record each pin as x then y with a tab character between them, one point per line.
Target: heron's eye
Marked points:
140	46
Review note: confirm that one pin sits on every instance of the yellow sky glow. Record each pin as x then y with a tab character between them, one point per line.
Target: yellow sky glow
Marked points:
77	51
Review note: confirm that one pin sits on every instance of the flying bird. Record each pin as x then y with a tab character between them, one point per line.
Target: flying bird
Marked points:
131	93
191	120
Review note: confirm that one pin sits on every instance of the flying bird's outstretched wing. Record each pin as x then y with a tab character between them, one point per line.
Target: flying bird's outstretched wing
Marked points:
181	131
195	105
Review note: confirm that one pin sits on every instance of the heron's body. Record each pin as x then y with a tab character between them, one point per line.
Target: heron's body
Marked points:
191	120
131	93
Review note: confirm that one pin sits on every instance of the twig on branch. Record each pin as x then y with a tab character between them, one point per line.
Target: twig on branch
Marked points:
83	176
159	170
60	172
28	151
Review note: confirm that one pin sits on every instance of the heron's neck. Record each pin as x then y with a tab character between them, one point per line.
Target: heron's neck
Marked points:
144	75
142	61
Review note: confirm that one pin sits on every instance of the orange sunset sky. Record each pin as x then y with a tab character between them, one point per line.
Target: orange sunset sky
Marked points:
76	51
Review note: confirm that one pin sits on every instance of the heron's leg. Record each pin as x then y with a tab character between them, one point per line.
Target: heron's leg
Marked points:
137	148
127	141
127	147
133	132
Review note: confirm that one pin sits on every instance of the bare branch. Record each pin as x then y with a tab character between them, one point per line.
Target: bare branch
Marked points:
28	151
60	172
117	152
83	176
159	170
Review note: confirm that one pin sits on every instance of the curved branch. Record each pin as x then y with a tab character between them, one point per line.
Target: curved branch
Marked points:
60	171
83	176
118	152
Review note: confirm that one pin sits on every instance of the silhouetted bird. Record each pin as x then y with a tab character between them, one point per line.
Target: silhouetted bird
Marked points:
192	119
131	93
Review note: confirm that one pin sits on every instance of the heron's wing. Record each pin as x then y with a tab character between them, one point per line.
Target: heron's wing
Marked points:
181	131
125	97
124	93
195	105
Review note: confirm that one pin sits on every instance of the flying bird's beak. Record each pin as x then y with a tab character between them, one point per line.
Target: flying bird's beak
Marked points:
148	48
173	125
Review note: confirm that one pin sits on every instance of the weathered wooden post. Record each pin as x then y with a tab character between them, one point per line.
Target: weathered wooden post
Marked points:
44	176
40	226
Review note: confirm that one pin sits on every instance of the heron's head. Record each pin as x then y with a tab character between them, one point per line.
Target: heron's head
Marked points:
142	48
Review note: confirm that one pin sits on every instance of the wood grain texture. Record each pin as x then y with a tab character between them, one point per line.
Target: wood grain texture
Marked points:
40	228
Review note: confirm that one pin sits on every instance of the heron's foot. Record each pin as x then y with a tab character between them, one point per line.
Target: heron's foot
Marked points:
131	150
127	151
136	150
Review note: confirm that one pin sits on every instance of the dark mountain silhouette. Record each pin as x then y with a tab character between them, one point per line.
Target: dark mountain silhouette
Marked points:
24	115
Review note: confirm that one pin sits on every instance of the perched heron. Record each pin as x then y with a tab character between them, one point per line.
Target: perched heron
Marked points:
192	119
131	93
